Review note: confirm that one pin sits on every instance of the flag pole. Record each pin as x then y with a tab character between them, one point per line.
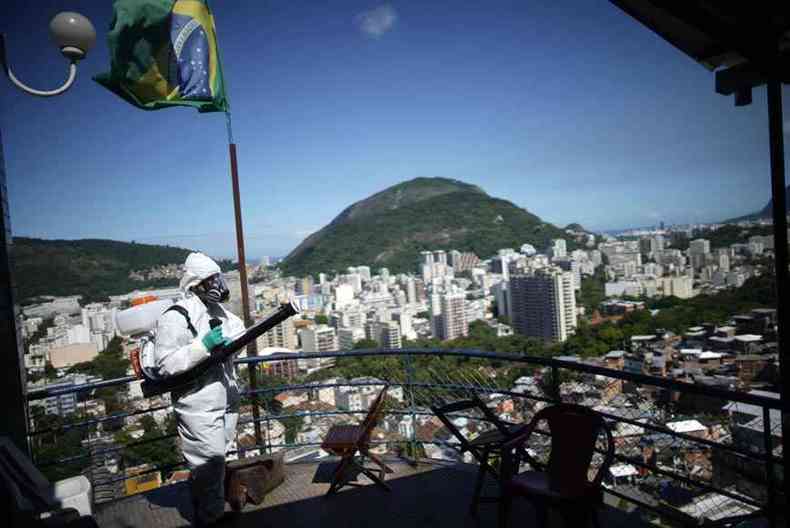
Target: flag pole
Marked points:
252	348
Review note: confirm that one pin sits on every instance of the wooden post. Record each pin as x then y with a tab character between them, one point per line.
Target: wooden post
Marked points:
252	348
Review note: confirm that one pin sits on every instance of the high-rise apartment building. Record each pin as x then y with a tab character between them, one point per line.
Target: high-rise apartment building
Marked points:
454	258
500	265
680	286
463	261
501	292
355	280
411	291
574	268
403	317
700	245
724	262
386	334
364	272
544	304
436	315
426	258
281	336
321	338
304	286
698	252
346	337
651	245
453	318
559	248
344	295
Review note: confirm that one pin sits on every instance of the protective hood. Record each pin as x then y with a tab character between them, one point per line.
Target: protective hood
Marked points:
197	268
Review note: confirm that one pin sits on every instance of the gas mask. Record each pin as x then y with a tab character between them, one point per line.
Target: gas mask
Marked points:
212	289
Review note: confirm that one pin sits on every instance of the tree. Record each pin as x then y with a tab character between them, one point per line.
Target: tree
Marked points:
592	293
151	448
49	371
59	444
292	424
321	319
40	332
365	343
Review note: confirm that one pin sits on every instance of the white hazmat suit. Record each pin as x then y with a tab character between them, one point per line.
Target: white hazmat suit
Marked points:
207	412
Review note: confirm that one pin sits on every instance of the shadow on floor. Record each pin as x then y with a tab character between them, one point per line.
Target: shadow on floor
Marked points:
430	495
426	499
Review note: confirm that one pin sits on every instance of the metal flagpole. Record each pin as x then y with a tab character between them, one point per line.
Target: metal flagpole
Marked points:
252	348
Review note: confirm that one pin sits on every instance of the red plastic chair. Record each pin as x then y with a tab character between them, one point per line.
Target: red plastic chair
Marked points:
563	482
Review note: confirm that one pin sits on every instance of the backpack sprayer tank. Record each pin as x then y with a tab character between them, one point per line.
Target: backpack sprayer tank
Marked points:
141	317
139	323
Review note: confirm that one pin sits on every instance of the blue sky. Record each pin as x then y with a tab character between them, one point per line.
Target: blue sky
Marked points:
573	111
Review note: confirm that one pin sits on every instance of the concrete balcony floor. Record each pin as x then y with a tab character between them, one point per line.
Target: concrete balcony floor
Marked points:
433	494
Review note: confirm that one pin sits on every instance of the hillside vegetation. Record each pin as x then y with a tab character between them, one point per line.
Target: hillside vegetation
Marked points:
92	268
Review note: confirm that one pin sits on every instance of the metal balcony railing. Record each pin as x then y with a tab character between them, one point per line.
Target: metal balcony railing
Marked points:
688	452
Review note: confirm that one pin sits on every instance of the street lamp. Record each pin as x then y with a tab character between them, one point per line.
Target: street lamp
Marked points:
74	35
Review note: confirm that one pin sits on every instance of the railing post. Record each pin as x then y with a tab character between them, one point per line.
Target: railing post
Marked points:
268	412
555	384
779	216
409	383
769	467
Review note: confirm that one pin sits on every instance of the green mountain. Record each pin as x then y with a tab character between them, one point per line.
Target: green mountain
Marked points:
390	228
89	267
765	212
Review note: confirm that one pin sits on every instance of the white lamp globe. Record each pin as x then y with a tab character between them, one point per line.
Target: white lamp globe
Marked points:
73	33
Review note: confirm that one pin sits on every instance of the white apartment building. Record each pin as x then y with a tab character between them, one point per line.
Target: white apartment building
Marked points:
386	334
559	248
681	287
344	295
453	318
281	336
404	318
321	338
574	268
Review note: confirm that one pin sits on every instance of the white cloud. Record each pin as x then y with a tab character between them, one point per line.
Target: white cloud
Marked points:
377	21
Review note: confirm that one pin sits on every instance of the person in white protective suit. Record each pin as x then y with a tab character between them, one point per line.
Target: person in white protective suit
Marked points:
207	411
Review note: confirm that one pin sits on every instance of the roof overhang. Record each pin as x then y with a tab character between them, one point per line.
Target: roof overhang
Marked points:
745	43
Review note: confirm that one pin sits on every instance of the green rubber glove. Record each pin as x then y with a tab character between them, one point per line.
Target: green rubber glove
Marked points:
213	339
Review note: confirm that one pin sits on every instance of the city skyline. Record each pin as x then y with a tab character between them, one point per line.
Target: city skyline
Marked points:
550	111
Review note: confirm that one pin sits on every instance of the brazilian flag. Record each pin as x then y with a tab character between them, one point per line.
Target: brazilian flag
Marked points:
164	53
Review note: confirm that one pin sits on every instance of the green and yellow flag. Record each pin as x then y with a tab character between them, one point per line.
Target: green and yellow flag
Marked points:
164	53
